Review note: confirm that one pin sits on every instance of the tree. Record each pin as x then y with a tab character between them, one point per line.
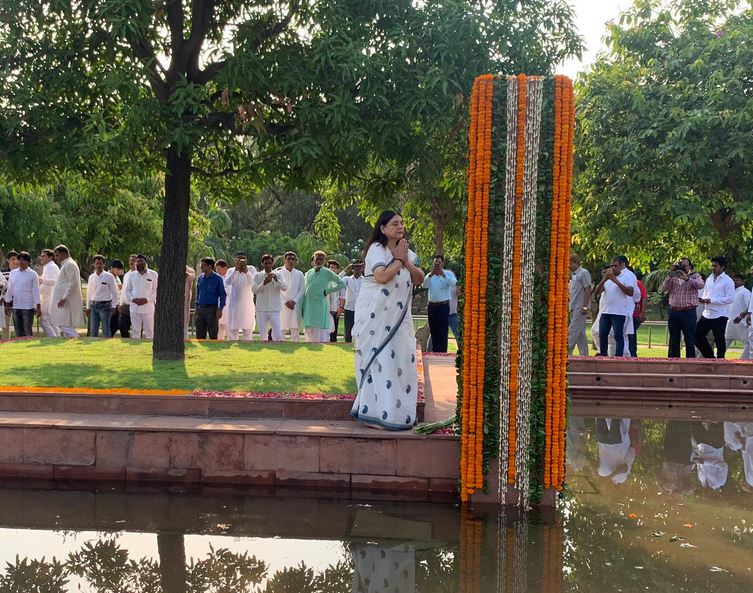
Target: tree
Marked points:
460	41
665	119
95	214
286	92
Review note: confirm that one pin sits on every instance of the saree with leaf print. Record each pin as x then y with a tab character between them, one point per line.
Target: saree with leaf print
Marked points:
385	347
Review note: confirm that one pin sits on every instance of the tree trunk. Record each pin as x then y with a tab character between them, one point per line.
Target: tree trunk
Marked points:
441	215
439	237
168	333
172	561
729	231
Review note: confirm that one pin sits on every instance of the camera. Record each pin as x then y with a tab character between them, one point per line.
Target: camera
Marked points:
677	270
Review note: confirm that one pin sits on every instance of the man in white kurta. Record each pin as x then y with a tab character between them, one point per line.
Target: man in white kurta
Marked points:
101	298
3	289
240	310
738	310
290	314
23	292
67	307
745	321
141	294
268	287
50	271
221	267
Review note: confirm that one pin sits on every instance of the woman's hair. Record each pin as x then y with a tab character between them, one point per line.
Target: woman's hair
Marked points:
377	236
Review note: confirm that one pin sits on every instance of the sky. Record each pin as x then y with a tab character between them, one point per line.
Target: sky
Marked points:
590	18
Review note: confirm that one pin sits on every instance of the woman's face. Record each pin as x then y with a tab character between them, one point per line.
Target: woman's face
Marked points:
394	228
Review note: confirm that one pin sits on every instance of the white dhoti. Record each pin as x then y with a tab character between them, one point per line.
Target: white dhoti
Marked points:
316	335
266	320
748	345
142	325
234	334
45	322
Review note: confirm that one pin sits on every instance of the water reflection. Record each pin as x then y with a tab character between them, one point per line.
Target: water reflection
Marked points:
657	505
694	454
739	437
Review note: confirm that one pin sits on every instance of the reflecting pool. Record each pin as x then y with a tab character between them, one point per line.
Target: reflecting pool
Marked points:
657	505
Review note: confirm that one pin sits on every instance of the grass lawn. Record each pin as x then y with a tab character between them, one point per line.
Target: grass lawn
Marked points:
98	363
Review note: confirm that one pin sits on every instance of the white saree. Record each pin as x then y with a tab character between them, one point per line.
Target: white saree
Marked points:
383	568
385	347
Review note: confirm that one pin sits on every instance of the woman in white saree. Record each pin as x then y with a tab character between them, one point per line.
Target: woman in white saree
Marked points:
383	329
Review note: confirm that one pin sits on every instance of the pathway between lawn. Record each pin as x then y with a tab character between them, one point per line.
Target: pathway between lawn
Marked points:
441	387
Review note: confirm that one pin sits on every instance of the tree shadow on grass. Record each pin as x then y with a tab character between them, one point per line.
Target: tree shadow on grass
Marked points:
170	374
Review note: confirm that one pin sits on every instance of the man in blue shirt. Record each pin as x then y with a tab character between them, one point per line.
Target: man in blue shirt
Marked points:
439	282
210	300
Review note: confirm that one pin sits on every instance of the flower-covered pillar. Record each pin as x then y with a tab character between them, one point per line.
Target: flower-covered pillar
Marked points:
512	367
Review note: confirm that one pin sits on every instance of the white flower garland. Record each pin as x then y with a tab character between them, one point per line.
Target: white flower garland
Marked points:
506	276
528	252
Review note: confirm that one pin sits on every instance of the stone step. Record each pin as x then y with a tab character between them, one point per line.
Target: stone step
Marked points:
343	458
181	405
665	366
638	395
676	381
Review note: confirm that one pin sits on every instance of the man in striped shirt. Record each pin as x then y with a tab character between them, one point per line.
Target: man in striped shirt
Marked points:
682	284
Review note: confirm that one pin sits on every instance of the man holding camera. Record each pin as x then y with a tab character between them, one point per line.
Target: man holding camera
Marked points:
439	282
718	295
683	285
268	288
618	286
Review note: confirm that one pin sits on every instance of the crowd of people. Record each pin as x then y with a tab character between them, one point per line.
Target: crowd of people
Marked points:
230	302
719	306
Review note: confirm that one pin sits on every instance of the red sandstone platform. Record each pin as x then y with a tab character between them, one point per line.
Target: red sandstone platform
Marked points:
182	405
279	444
334	456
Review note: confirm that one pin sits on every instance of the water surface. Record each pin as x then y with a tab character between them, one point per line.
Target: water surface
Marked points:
657	505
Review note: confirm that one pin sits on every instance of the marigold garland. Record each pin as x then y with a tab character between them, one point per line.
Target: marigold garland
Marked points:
474	321
471	530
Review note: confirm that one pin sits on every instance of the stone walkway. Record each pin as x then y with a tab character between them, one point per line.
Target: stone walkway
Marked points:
441	387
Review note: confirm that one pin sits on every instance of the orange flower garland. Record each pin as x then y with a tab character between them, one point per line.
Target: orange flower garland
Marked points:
470	552
554	452
474	323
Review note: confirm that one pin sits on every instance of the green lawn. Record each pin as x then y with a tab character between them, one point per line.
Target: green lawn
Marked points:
99	363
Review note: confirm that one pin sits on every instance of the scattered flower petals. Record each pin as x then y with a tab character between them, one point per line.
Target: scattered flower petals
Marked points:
276	395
